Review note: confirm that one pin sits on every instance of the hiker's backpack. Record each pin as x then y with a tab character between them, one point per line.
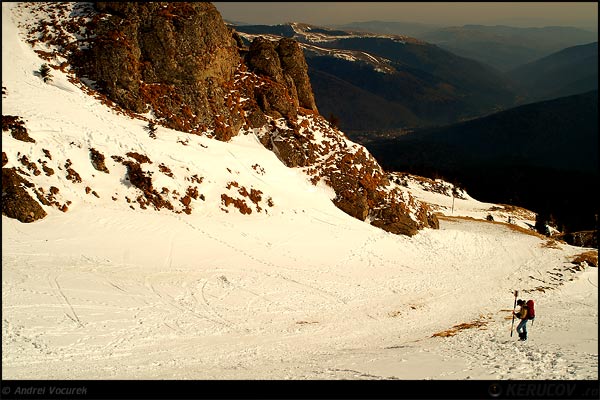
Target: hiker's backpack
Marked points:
530	309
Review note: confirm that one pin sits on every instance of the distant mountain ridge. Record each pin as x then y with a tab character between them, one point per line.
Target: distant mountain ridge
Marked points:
388	27
570	71
506	47
424	84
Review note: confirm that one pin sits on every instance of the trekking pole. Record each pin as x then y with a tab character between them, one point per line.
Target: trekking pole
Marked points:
514	308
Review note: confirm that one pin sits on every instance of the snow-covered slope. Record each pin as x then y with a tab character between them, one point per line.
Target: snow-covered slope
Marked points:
295	290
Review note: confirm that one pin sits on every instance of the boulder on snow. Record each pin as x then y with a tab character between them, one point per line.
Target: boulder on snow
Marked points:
98	161
394	219
355	206
17	128
16	202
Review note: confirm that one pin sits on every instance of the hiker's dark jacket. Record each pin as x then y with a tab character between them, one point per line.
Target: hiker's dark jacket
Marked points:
522	313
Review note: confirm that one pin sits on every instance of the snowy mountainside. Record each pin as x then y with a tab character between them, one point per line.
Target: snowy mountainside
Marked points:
301	139
111	286
233	181
312	33
316	34
448	200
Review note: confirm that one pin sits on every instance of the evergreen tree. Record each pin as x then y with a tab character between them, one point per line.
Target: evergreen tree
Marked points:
151	128
45	73
541	224
334	120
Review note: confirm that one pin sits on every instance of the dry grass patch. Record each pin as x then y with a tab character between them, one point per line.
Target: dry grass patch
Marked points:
526	231
453	218
518	212
551	243
510	316
540	289
590	257
480	323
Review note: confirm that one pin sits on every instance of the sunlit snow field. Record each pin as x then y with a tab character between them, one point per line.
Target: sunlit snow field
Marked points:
302	291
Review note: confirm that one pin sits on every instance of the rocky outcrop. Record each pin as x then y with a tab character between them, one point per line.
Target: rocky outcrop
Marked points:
294	65
17	203
16	127
180	60
283	62
363	190
98	162
175	57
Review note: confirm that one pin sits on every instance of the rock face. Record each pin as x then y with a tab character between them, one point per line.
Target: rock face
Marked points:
16	201
294	65
180	58
15	125
176	57
362	188
283	62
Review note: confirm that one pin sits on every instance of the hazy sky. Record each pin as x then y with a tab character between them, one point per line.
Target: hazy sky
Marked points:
580	14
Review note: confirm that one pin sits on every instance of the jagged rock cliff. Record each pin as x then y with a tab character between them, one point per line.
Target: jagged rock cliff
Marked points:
182	63
179	59
284	63
176	58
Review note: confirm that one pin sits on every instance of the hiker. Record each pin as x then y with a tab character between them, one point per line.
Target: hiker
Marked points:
522	315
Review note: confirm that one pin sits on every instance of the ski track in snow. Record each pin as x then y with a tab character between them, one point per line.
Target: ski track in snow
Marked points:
294	320
305	292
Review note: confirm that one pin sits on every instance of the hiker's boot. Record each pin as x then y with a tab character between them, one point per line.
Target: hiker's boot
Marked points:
524	336
521	336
